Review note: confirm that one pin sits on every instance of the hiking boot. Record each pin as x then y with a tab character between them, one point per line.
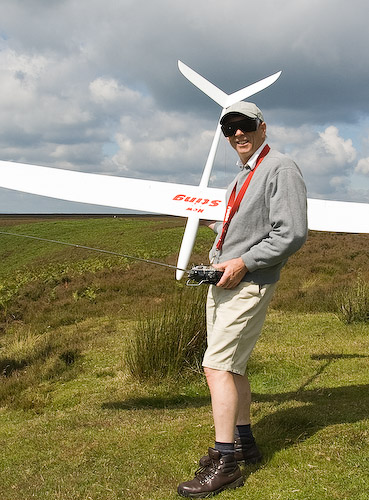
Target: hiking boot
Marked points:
215	474
247	451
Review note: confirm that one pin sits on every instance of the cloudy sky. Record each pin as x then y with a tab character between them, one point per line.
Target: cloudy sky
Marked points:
93	85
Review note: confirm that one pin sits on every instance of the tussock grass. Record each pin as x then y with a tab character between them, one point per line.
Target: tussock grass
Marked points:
353	302
170	339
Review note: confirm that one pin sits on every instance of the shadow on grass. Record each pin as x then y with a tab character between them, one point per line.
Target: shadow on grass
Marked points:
8	366
322	407
158	402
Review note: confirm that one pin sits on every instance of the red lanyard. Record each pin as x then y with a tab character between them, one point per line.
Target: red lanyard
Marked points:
234	202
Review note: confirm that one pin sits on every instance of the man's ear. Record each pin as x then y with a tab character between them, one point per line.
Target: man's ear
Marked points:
264	128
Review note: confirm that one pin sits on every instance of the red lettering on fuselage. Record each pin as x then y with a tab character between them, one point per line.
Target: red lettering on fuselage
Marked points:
195	209
193	199
215	203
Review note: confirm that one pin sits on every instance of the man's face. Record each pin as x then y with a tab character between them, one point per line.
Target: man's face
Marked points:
246	143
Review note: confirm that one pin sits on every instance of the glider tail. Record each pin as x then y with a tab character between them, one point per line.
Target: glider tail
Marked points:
225	100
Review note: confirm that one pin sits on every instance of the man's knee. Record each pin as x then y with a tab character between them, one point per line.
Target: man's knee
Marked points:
216	376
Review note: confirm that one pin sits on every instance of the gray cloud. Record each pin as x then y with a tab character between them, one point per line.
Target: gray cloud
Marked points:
93	86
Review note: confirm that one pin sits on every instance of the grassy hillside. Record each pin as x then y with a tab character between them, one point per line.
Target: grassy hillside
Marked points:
47	272
74	421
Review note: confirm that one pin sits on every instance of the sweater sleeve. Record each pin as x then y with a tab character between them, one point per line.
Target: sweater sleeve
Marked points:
286	198
217	227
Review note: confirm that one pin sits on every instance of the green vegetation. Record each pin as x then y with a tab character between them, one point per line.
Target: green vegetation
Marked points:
171	338
353	302
79	420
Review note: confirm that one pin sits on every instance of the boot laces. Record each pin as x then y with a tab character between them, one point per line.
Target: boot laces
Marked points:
207	470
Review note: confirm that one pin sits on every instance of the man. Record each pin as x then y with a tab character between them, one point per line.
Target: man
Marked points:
265	223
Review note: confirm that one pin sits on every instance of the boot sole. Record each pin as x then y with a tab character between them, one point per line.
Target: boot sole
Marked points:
231	486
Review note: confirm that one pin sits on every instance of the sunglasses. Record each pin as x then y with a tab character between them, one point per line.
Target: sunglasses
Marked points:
245	125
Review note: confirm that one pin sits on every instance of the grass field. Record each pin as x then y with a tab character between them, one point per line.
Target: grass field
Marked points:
75	424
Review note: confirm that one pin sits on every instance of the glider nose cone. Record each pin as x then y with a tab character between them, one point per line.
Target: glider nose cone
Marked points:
179	274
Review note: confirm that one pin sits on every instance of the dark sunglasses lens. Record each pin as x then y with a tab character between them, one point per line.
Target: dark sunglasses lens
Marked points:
228	130
231	128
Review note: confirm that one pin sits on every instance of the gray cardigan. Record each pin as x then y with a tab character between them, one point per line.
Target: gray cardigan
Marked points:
271	222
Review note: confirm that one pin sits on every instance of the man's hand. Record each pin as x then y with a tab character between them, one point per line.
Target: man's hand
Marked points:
209	223
233	272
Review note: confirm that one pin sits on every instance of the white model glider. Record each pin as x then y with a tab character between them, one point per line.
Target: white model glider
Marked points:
193	202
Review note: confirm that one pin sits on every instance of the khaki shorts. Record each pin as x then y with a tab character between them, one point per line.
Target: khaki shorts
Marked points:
234	322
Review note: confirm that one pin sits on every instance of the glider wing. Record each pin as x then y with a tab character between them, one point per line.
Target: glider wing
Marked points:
338	216
120	192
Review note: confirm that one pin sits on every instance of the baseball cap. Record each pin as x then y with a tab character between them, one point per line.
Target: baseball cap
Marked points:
248	109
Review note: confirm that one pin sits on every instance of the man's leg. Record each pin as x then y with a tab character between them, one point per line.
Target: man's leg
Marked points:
246	449
244	399
224	400
218	470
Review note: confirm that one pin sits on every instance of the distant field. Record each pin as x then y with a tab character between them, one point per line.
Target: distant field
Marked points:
327	263
74	422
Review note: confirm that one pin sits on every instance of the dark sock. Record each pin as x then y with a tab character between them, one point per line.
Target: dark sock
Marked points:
244	432
224	448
